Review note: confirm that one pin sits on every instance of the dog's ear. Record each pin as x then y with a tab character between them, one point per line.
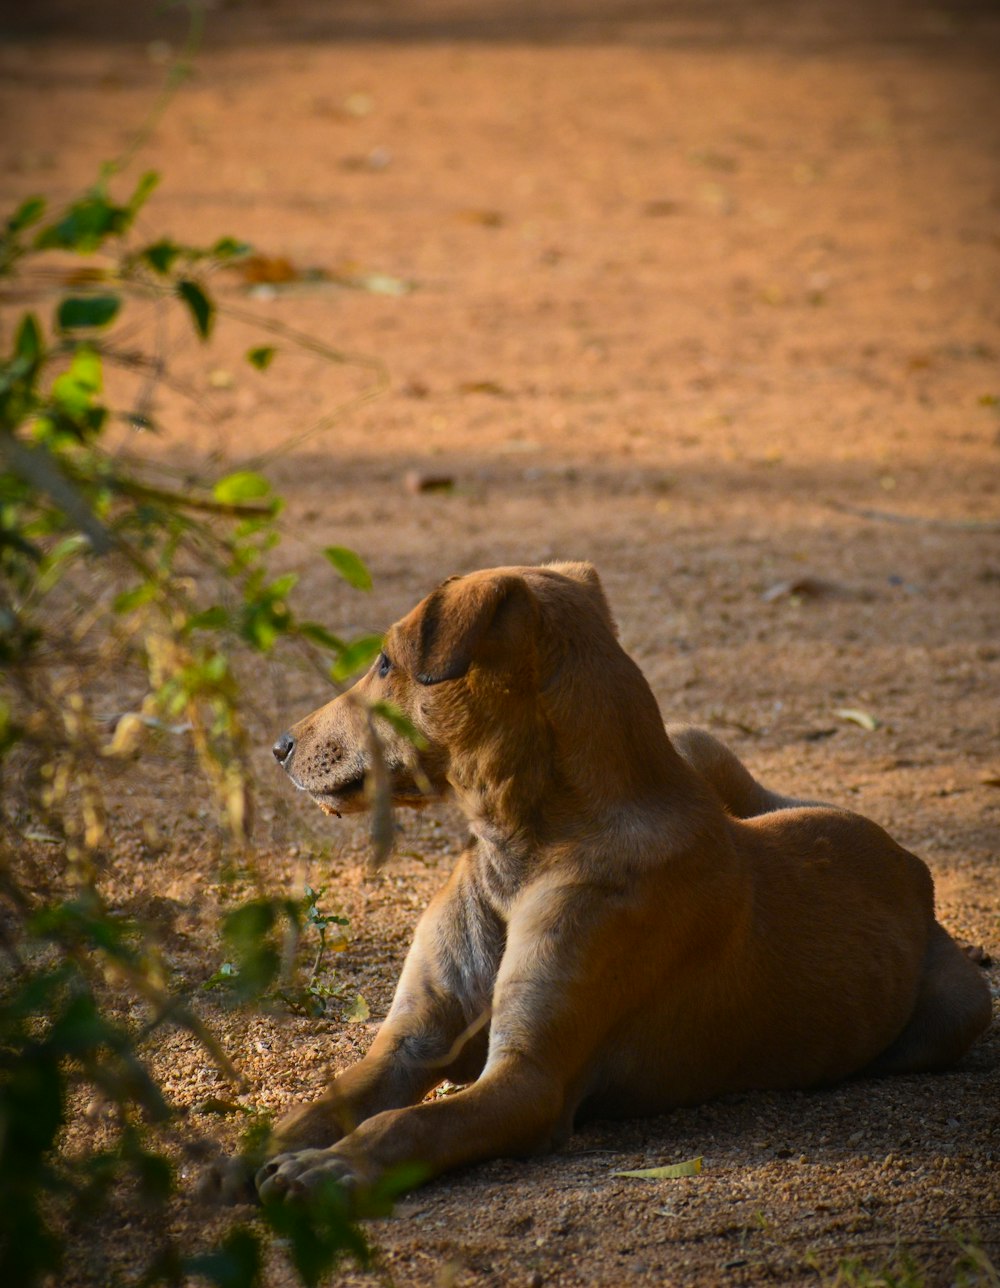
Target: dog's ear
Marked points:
460	623
577	570
586	575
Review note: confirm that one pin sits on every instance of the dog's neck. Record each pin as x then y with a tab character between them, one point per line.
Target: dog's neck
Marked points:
571	774
502	795
500	868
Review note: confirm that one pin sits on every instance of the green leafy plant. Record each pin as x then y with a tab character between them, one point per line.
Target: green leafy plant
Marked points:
266	937
106	568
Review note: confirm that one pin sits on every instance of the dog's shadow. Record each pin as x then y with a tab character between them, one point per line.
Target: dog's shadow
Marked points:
920	1117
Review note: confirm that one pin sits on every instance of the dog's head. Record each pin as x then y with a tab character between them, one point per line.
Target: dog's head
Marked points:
466	668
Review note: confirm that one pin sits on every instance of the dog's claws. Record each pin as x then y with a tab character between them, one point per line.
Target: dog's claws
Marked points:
291	1177
269	1181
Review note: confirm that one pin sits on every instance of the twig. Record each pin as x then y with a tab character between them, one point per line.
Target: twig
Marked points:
342	357
916	520
179	71
314	973
36	466
470	1031
235	509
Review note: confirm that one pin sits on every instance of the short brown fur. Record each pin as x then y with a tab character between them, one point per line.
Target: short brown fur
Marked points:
636	924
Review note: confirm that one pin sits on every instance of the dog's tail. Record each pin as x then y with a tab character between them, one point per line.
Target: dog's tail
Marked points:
741	794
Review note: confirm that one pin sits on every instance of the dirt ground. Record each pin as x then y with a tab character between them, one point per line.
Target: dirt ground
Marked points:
706	294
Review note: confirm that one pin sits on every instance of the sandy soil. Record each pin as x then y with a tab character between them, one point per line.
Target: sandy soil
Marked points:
704	294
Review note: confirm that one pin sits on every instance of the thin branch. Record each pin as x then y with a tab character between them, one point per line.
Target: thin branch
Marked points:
915	520
233	509
36	466
179	71
342	357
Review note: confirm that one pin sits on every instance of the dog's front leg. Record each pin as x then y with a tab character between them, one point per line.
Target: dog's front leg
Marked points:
514	1109
558	993
437	1026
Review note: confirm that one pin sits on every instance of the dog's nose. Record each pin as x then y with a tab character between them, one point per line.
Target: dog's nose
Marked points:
283	748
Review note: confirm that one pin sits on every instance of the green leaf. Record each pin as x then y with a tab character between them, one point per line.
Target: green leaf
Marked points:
226	974
63	551
215	618
238	1263
349	566
242	486
28	212
86	368
28	342
263	620
281	586
143	189
692	1167
87	310
396	1181
129	600
357	656
248	930
261	357
230	248
161	255
11	249
321	636
75	389
392	715
318	1231
202	308
155	1175
81	1028
85	225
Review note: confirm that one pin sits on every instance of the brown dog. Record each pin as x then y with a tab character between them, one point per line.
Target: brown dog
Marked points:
636	924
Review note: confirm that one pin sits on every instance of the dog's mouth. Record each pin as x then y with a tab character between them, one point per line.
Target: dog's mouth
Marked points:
348	798
353	798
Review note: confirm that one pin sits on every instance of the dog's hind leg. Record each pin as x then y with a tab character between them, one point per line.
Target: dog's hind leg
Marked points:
741	793
952	1008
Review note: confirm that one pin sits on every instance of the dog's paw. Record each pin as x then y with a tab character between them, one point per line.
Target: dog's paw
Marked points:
227	1181
315	1125
291	1177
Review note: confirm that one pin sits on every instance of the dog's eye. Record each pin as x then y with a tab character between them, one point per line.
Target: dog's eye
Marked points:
384	665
